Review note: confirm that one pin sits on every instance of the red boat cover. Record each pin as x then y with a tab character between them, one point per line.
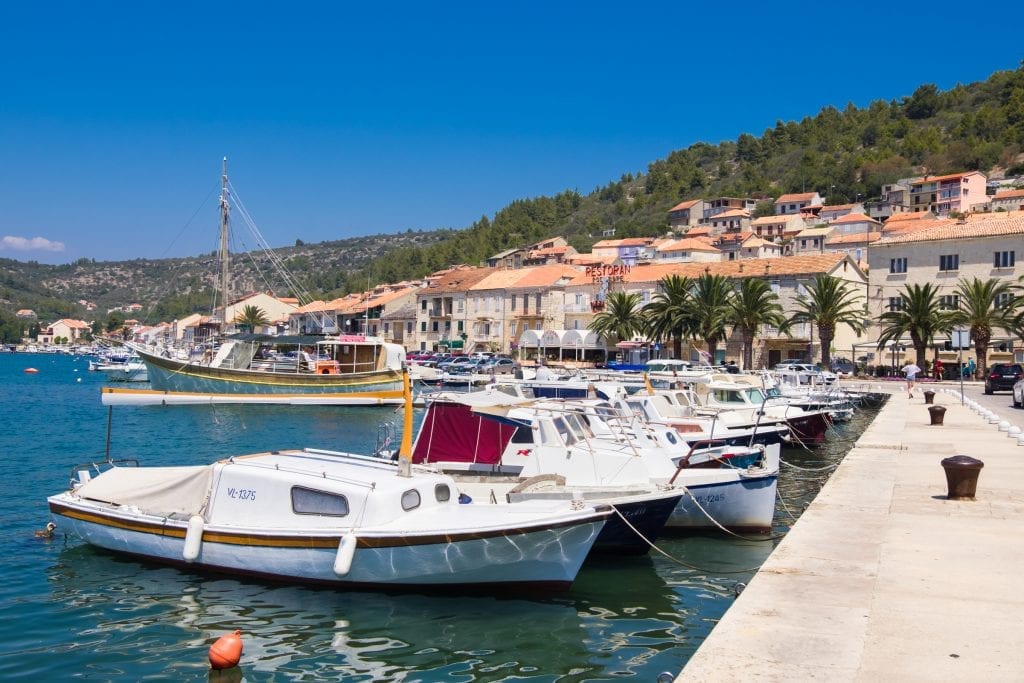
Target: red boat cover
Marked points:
452	432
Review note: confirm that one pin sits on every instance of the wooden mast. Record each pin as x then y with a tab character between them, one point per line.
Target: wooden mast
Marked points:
225	254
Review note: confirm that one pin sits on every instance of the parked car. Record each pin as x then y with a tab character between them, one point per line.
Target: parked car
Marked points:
499	366
1002	377
844	367
1018	394
447	364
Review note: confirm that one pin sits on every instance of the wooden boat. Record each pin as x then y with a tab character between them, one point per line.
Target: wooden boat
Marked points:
357	370
324	517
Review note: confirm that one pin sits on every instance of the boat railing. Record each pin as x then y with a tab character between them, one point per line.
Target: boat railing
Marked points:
83	472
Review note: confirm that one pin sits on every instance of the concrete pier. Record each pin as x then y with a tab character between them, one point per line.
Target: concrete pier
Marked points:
883	578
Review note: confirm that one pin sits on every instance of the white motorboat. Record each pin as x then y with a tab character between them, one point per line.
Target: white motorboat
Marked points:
493	437
323	517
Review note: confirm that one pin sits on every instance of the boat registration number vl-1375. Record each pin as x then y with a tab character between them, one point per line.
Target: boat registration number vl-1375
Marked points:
241	494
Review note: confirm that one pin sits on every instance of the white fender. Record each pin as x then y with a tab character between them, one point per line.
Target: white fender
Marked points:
193	539
346	551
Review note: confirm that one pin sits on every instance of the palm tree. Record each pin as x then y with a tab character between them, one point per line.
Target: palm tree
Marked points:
622	317
669	315
920	316
980	312
754	304
710	316
828	302
251	317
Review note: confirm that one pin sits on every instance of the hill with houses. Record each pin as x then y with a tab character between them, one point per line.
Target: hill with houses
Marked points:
801	187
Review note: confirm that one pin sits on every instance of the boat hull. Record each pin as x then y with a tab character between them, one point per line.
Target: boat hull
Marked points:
538	554
166	374
745	504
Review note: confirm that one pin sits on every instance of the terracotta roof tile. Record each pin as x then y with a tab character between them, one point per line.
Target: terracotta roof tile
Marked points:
855	218
855	238
978	225
689	203
687	244
800	197
779	266
1009	194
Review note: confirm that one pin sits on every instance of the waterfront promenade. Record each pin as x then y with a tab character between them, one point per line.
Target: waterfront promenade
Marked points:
883	578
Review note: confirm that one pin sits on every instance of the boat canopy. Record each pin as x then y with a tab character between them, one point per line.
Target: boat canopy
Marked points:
455	432
162	491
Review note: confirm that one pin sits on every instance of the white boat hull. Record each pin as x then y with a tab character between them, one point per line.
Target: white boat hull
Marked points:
743	503
547	555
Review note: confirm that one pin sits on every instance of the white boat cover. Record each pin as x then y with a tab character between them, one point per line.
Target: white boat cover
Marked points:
162	491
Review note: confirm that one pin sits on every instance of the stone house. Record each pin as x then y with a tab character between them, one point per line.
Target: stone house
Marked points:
943	252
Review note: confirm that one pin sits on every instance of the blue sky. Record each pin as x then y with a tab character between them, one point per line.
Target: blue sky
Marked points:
341	120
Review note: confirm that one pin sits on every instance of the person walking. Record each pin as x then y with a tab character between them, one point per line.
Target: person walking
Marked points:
910	370
938	369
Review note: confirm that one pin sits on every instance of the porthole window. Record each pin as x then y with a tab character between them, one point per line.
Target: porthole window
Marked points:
312	502
442	493
410	500
670	437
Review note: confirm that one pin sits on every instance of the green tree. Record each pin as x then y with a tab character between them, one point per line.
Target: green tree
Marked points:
920	316
670	313
828	302
251	317
981	312
622	317
711	307
754	304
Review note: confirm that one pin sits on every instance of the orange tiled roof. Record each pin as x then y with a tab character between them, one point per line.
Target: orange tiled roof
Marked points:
940	178
779	266
854	218
855	238
458	281
732	213
699	231
689	203
687	244
978	225
1009	194
800	197
837	207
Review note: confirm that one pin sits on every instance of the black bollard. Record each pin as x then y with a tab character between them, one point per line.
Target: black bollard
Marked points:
961	476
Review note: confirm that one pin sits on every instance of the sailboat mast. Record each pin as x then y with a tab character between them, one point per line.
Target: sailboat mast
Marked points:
225	255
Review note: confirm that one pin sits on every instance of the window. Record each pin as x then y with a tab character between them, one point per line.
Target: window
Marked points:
460	326
1004	259
895	303
410	500
898	265
423	327
949	302
312	502
514	302
423	305
408	327
512	328
1003	299
536	302
434	326
442	493
523	434
579	299
949	262
460	304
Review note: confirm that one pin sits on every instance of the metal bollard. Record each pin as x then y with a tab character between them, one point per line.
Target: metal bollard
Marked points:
929	397
937	414
961	476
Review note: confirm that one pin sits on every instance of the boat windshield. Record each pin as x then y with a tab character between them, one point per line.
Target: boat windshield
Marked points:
755	396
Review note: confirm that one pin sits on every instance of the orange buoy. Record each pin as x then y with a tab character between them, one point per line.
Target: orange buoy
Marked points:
31	371
226	652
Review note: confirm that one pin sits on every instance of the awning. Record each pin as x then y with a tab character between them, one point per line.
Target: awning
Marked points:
582	339
630	344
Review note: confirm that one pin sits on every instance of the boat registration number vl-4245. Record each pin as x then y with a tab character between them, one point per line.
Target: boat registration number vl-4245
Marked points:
710	498
241	494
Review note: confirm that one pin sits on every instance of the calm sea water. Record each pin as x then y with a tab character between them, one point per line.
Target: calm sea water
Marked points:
69	611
